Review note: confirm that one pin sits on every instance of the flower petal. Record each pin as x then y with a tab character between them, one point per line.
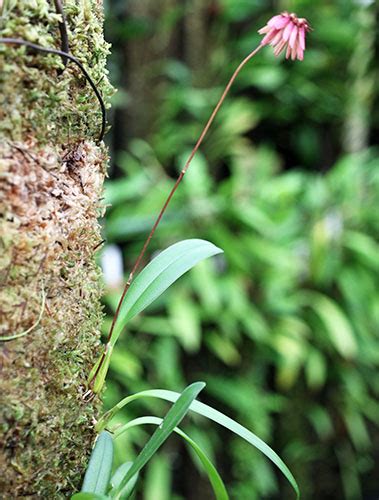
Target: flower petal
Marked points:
302	37
273	20
287	31
264	30
276	39
293	37
267	39
288	53
281	23
279	48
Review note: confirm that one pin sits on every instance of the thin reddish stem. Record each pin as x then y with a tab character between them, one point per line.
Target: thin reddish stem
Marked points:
173	190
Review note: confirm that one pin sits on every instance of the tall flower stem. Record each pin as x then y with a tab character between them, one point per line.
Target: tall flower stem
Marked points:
167	202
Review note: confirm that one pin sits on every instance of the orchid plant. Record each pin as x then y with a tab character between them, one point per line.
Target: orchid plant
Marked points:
285	33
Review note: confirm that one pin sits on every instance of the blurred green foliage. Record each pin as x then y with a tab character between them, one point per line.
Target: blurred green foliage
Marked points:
284	326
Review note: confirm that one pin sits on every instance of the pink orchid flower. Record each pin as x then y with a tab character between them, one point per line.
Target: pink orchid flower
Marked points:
286	30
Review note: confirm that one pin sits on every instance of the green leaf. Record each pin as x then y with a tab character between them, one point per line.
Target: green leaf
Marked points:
365	247
157	276
174	416
335	322
89	496
117	478
101	373
211	414
214	477
315	369
157	484
185	320
99	469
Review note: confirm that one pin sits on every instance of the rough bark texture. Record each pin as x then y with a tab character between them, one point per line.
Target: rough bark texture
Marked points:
51	175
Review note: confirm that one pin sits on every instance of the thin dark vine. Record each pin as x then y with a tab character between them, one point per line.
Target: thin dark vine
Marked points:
63	31
63	54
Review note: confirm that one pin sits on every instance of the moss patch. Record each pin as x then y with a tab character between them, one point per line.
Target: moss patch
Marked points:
49	207
36	98
51	175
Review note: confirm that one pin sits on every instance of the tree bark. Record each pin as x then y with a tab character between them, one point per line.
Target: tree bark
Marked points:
51	176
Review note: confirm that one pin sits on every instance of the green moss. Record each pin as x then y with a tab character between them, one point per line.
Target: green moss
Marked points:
51	176
36	97
49	228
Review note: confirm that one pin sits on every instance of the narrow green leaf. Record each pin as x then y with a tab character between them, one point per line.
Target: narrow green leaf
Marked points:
214	477
336	324
158	479
157	276
214	415
89	496
365	247
99	380
174	416
117	478
99	469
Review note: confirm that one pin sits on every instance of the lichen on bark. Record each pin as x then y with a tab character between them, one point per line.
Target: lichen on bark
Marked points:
51	175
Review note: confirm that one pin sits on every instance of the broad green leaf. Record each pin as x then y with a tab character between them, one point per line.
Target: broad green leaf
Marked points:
117	478
99	469
174	416
214	477
211	414
157	276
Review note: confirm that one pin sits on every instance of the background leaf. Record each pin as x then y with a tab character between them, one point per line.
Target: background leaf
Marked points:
336	324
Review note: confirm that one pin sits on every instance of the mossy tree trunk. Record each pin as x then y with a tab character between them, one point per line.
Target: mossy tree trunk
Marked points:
51	176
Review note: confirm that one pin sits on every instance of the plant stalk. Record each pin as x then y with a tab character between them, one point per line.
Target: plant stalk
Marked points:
167	202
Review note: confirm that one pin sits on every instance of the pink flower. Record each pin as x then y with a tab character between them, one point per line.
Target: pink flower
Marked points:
286	30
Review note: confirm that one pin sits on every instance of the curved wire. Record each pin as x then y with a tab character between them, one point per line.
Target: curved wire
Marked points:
61	53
